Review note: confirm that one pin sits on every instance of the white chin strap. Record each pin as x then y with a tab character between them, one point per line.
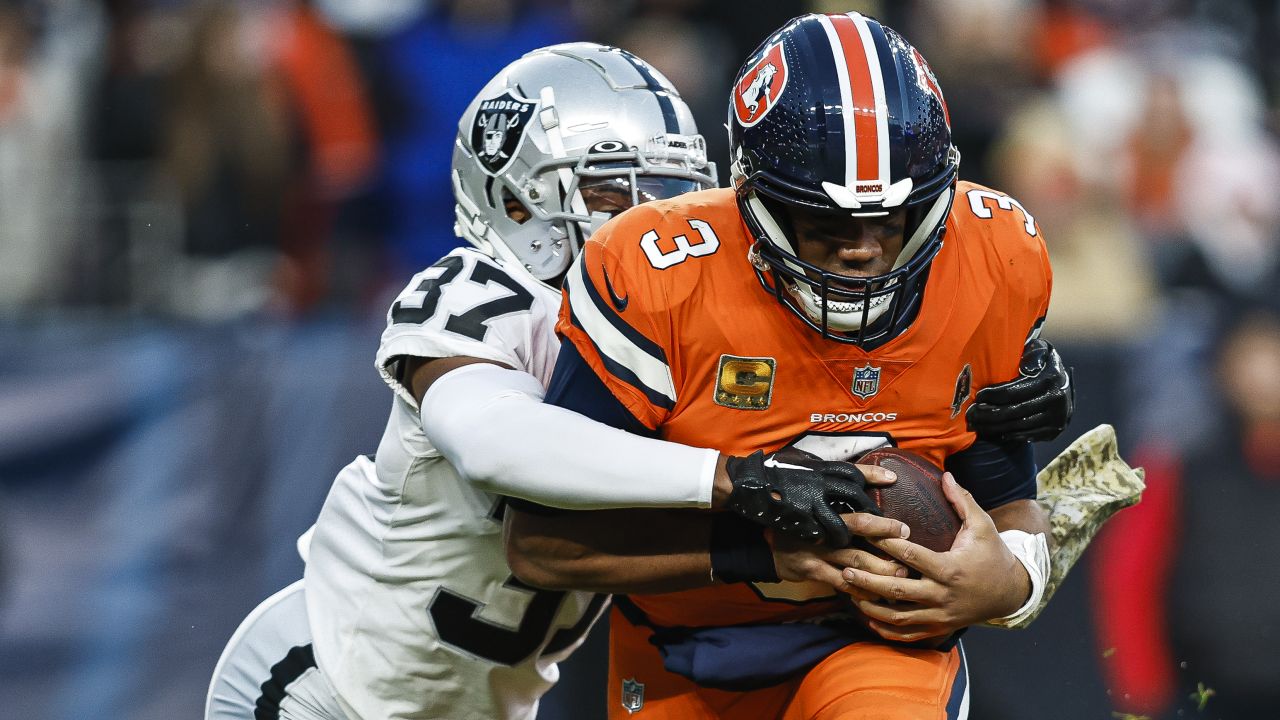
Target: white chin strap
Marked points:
841	315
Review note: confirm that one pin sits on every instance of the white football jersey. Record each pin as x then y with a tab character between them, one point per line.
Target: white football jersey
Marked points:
413	609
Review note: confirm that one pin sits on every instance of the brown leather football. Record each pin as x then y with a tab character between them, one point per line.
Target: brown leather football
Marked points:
916	498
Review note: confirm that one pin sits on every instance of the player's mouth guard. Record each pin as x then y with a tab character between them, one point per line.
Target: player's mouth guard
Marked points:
1081	489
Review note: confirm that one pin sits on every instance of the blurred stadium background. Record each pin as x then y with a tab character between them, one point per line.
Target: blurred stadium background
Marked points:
206	206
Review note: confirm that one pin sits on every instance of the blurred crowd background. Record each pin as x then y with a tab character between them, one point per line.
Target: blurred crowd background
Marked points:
205	208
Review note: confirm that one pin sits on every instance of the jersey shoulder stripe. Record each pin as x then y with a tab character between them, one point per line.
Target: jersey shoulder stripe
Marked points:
636	278
610	308
626	353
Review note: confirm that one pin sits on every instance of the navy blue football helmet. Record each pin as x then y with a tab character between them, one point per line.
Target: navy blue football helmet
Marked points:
840	114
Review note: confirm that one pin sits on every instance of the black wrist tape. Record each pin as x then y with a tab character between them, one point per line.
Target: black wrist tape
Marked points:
739	551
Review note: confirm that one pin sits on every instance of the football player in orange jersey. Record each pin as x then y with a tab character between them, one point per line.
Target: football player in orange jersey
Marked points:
848	293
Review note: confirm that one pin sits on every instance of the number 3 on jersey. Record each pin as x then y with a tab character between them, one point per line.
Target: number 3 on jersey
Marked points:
663	253
980	208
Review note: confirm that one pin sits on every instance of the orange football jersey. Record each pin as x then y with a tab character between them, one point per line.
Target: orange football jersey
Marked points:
666	309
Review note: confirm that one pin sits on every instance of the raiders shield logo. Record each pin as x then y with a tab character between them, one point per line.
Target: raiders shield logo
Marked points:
760	87
632	695
866	381
499	129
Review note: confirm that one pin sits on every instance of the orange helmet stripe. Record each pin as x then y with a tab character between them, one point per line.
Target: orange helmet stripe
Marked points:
858	59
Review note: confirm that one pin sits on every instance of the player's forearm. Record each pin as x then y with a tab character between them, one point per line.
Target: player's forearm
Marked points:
491	423
1024	529
1024	515
626	551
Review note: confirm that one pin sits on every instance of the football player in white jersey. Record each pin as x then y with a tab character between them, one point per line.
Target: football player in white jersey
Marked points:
409	608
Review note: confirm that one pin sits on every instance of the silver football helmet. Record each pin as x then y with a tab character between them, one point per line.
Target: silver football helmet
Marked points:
560	141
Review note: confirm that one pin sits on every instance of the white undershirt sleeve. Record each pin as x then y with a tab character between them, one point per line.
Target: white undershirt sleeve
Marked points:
491	423
1033	552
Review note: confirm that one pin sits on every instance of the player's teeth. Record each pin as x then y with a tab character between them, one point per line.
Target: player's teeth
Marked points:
848	307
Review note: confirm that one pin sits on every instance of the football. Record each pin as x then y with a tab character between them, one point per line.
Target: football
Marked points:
916	498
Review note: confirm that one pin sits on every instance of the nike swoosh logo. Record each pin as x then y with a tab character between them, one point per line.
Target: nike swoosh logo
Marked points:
770	462
618	302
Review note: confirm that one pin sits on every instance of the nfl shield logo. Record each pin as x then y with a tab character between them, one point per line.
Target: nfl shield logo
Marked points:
632	695
866	381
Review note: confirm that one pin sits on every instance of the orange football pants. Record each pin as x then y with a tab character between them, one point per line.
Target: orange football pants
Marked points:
864	681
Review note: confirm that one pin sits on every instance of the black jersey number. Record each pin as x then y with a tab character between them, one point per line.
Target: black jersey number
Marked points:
458	624
419	305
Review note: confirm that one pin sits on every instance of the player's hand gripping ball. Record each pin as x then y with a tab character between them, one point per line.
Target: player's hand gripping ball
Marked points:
916	499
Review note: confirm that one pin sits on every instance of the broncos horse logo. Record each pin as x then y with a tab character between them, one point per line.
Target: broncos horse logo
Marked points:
760	86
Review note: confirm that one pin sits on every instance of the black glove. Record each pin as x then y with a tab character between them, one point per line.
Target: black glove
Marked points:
794	492
1034	406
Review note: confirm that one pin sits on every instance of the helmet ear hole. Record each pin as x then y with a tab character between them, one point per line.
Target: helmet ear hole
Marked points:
515	209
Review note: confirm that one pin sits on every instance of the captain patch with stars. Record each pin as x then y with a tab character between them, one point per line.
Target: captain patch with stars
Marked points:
499	130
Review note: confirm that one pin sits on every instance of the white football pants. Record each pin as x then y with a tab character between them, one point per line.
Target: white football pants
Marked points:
267	671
